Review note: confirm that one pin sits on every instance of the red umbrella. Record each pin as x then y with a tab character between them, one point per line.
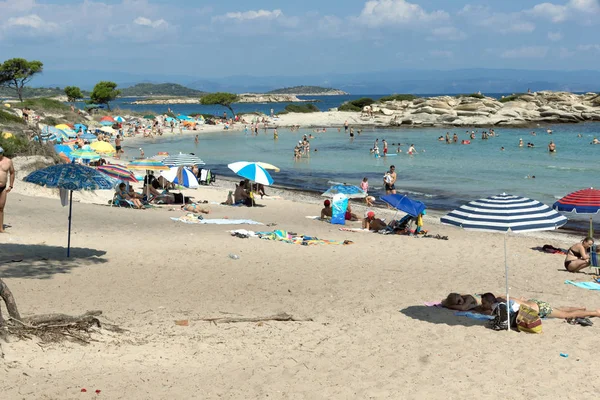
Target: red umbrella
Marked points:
585	202
107	118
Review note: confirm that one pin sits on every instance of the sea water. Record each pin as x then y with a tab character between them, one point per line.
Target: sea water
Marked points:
442	175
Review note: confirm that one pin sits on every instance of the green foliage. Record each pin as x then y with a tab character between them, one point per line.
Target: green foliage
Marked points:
512	97
300	108
195	115
73	93
50	121
162	89
43	104
304	90
104	92
16	72
349	107
220	98
8	118
19	145
474	95
398	97
356	105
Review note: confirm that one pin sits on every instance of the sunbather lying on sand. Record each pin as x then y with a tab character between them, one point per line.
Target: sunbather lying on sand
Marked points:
544	309
462	302
196	208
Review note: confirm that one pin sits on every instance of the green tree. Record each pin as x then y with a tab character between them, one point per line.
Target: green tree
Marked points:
221	99
16	72
104	92
73	93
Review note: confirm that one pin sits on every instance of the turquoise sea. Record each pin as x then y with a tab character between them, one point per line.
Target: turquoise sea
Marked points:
442	175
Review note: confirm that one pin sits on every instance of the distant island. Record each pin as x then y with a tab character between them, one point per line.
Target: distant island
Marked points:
308	91
159	89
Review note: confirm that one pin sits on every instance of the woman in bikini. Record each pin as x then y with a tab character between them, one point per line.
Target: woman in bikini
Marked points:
577	256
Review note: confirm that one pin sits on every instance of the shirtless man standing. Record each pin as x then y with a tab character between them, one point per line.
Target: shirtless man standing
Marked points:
6	168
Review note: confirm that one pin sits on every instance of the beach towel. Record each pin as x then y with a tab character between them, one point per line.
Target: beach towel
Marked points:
548	248
313	217
284	236
193	219
355	230
585	285
474	315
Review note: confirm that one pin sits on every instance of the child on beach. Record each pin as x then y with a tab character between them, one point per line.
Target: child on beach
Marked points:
364	185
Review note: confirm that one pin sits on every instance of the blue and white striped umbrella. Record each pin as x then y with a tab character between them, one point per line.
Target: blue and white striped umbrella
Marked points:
177	160
119	119
181	176
251	171
505	213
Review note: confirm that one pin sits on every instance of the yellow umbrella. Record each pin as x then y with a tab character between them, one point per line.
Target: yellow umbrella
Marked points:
268	166
107	129
63	127
103	148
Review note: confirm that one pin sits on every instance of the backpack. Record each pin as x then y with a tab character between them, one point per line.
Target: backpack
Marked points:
500	323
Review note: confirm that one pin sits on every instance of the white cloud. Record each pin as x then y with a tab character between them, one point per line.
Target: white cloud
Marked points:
148	22
553	12
31	25
571	10
397	12
585	5
505	23
251	15
447	33
588	47
526	52
555	36
441	53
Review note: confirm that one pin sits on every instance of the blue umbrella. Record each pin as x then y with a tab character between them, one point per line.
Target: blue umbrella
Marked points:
63	148
79	127
71	177
504	213
106	123
119	119
169	119
89	136
183	117
252	171
350	191
404	204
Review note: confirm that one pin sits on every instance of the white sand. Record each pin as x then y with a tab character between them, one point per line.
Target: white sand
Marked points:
371	336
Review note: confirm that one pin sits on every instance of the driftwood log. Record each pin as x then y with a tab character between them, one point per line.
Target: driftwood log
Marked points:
277	317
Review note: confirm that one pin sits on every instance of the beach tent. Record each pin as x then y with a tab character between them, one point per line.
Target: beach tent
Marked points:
71	177
505	213
582	202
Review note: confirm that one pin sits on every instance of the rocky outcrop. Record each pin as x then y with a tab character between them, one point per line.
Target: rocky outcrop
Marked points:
244	98
531	108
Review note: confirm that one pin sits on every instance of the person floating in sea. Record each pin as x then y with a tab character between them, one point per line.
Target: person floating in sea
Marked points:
551	147
472	135
351	132
595	141
520	142
447	137
501	148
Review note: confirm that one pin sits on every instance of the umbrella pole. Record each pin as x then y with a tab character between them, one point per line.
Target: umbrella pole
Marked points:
70	211
506	277
591	227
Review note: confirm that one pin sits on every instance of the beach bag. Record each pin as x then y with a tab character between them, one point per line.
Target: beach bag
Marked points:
500	323
528	320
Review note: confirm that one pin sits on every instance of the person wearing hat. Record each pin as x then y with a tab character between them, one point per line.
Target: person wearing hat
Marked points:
371	223
6	169
326	211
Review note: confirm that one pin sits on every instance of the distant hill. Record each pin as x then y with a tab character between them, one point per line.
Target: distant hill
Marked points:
160	89
308	90
29	92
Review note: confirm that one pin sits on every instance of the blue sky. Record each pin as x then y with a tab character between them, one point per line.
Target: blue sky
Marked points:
275	37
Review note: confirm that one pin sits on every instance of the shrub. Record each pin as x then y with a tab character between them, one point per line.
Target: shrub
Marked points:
43	104
512	97
398	97
19	145
349	107
300	108
6	117
50	121
474	95
356	105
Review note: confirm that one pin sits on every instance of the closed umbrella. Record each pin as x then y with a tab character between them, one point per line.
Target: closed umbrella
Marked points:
582	202
350	191
505	213
252	171
103	148
176	160
71	177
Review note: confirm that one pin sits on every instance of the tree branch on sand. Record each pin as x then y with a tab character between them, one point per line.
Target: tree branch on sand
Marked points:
48	327
277	317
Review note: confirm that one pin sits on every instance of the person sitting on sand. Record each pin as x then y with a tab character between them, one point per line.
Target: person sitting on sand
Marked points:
349	216
326	211
121	192
577	256
195	208
240	196
371	223
259	188
544	309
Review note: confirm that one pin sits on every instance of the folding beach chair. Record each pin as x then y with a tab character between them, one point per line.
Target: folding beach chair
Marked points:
594	260
118	201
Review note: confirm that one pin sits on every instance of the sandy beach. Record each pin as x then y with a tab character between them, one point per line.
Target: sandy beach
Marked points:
370	336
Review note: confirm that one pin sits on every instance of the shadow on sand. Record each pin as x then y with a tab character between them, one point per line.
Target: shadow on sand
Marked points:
439	315
41	262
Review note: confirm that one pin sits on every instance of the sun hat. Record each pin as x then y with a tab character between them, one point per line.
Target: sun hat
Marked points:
370	214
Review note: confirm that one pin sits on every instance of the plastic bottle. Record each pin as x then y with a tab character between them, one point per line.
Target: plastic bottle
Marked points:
234	256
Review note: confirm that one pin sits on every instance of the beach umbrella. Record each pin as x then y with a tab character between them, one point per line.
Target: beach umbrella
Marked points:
119	119
107	129
584	202
85	154
147	164
79	127
268	166
71	177
64	157
404	204
149	117
62	148
350	191
106	123
118	172
103	148
177	160
63	127
184	118
107	118
89	137
181	176
252	171
160	156
169	119
505	213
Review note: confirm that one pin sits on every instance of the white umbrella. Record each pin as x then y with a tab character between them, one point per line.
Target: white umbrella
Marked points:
505	213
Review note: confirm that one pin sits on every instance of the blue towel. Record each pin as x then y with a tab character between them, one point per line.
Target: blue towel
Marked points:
585	285
473	315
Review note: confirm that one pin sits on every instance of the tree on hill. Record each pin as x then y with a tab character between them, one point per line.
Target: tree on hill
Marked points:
221	99
16	72
73	93
104	92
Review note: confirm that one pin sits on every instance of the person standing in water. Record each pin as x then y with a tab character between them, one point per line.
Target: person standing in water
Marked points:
275	134
551	147
385	147
196	139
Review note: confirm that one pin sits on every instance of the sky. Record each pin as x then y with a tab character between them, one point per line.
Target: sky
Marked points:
276	37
